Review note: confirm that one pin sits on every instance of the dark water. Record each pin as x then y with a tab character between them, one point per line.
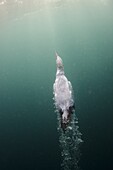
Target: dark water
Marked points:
82	34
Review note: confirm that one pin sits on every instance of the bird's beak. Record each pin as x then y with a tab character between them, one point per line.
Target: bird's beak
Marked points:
56	55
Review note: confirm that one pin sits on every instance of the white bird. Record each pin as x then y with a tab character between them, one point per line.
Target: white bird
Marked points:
62	90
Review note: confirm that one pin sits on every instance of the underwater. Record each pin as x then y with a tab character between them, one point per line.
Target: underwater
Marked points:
31	133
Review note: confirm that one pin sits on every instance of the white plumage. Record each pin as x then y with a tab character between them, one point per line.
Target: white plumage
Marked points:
62	90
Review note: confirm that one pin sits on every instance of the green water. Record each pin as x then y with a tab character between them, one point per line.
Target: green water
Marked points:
82	34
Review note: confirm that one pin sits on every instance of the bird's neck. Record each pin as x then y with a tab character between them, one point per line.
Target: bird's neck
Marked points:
60	71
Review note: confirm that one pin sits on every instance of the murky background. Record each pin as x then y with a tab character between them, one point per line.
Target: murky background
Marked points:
81	31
